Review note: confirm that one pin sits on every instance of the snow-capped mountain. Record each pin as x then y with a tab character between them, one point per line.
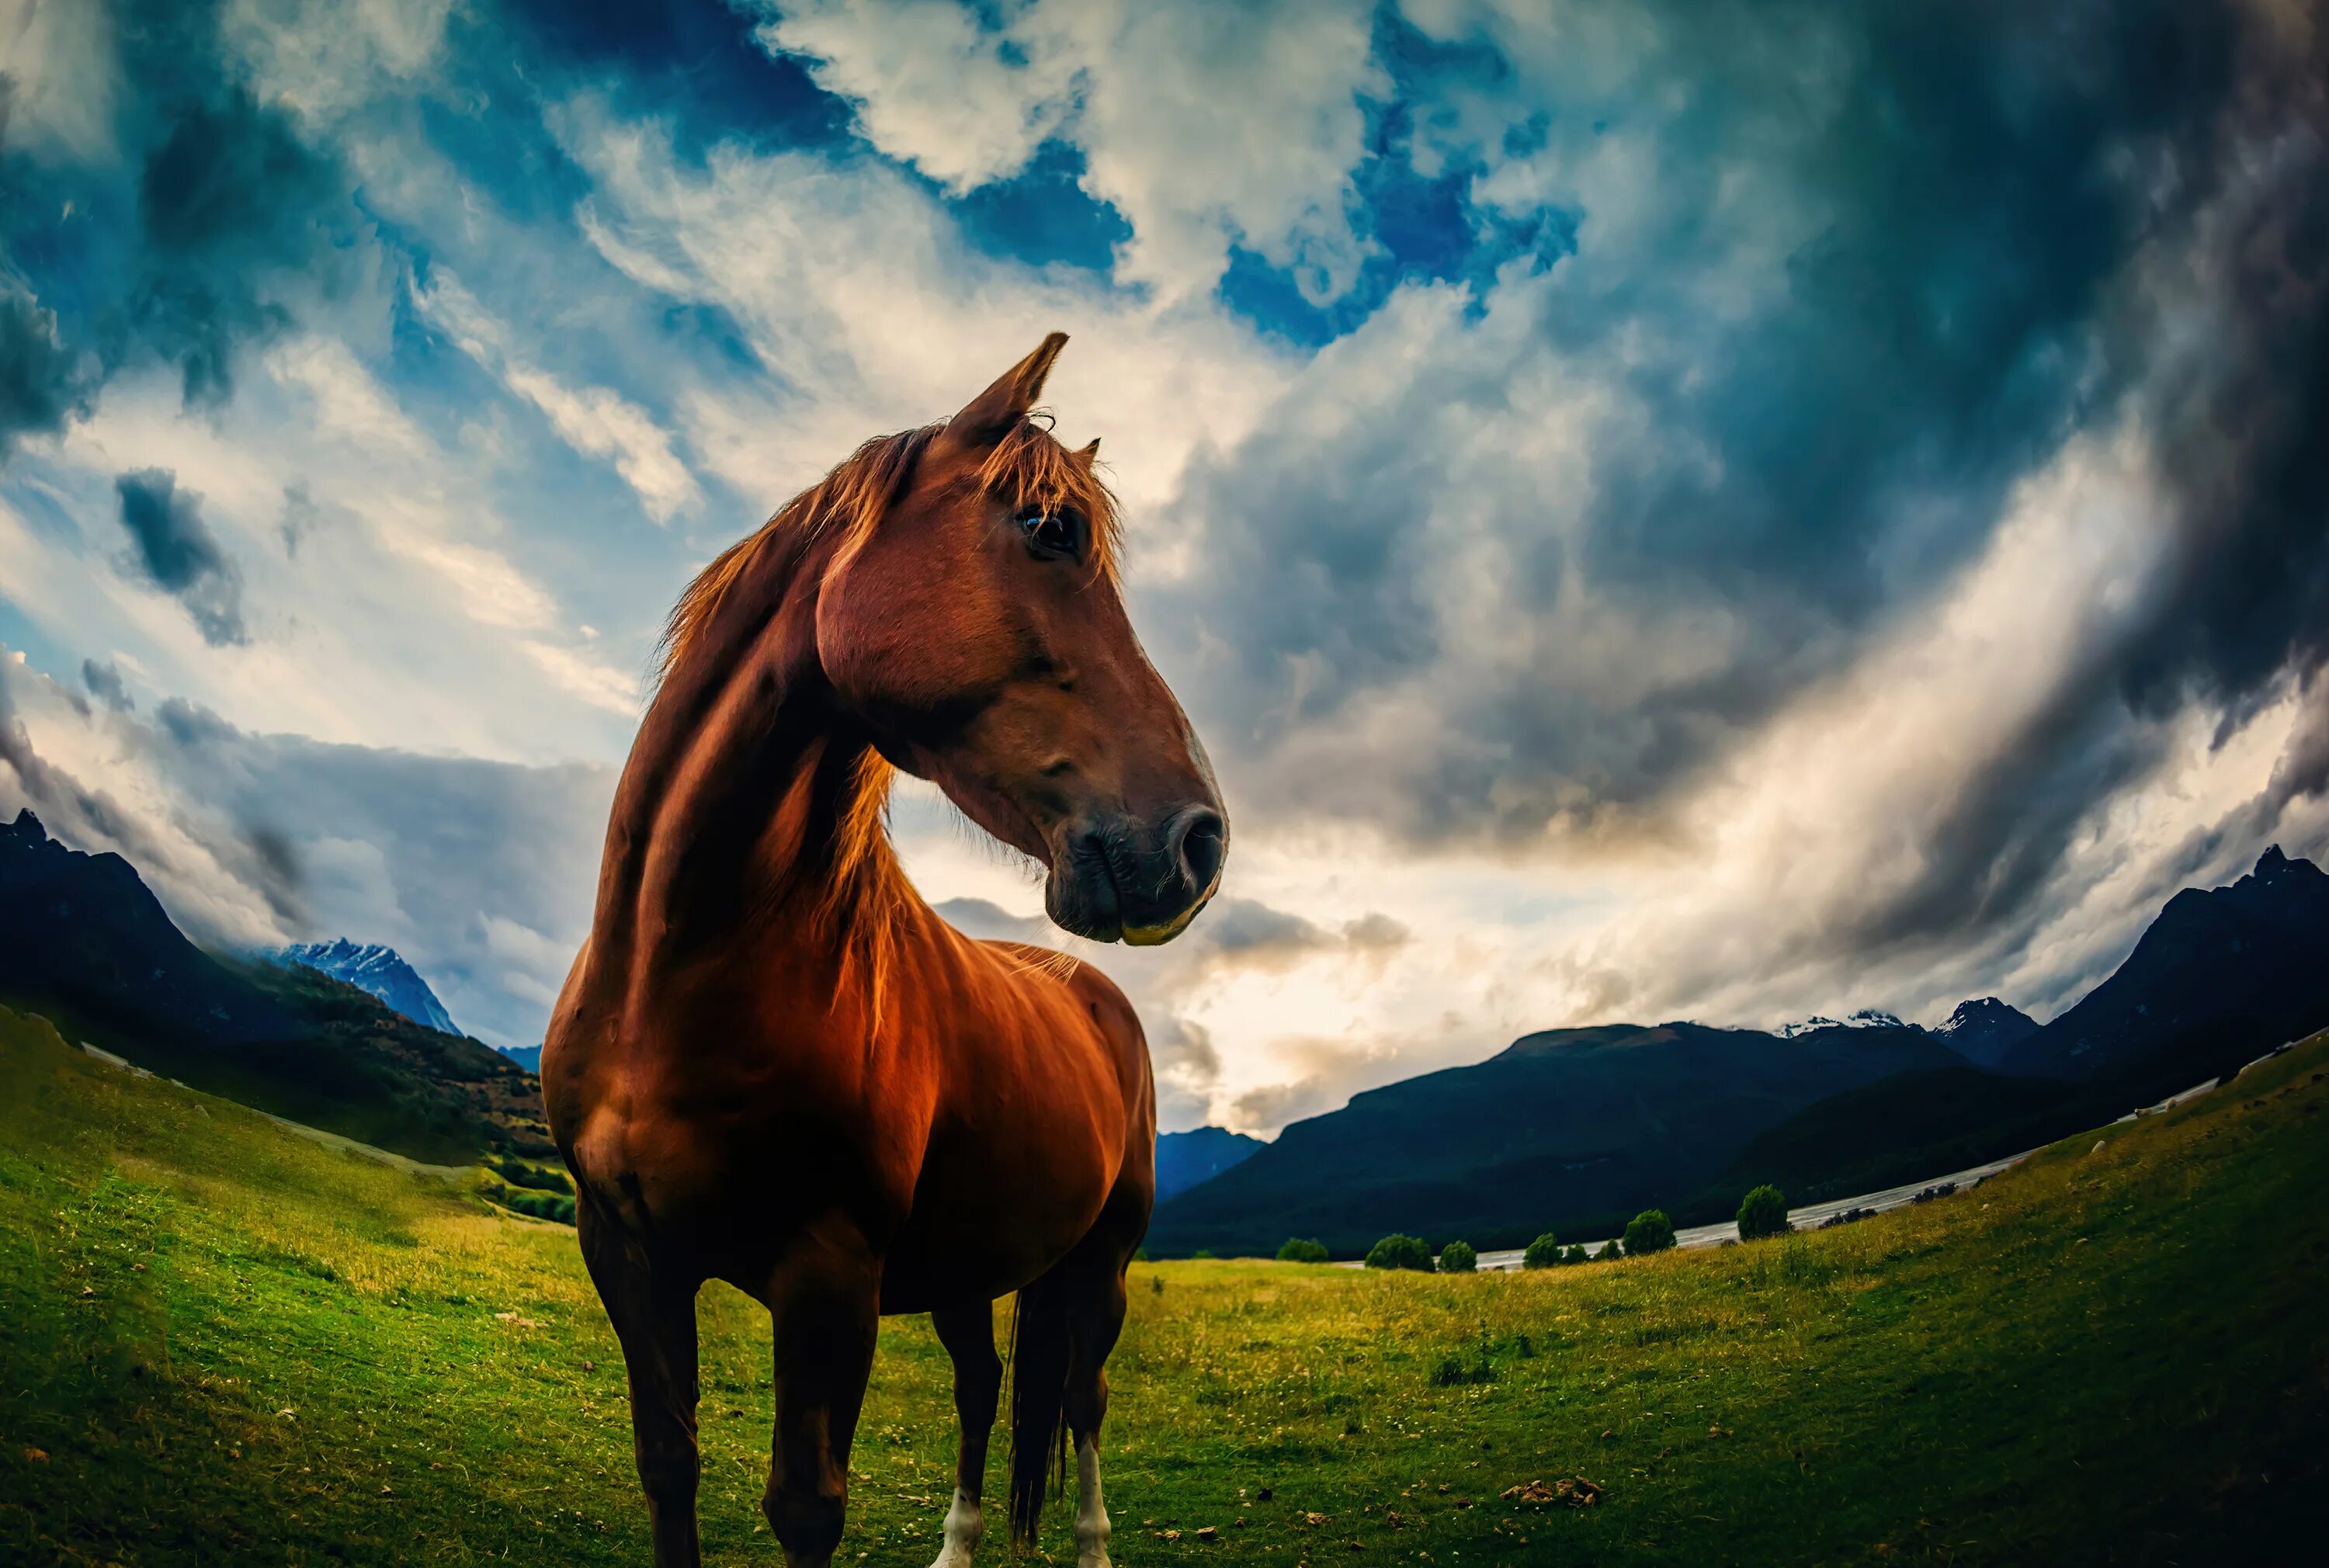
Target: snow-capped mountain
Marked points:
381	971
1984	1030
1867	1018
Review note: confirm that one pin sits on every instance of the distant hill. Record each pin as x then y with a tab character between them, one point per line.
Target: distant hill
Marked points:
1901	1128
84	931
1568	1128
1186	1158
1983	1032
2222	974
380	972
526	1056
84	942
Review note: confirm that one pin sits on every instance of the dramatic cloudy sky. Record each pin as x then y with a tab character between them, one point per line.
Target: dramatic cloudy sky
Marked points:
1727	510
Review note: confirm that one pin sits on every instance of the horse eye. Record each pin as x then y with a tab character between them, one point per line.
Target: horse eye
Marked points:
1053	535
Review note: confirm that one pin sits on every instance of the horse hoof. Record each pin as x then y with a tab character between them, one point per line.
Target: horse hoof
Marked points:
953	1557
1093	1560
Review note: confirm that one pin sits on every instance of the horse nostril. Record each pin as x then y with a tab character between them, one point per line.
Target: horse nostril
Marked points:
1203	839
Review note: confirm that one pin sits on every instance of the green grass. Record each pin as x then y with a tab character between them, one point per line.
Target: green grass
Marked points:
220	1342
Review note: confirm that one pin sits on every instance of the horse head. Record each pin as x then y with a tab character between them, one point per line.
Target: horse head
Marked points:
976	629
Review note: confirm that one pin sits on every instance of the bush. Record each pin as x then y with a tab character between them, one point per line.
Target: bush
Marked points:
535	1205
1615	1248
1577	1254
518	1173
1542	1252
1398	1251
1298	1251
1762	1213
1458	1258
1650	1231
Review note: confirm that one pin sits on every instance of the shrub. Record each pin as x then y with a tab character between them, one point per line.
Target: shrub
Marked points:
1542	1252
1577	1254
1458	1258
1615	1248
1650	1231
1298	1251
537	1205
1762	1213
518	1173
1399	1251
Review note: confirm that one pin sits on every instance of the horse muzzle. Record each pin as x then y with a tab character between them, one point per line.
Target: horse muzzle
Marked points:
1119	879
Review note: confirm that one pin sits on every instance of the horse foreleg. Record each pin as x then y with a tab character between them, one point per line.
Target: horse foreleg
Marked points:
654	1313
1094	1319
967	1332
823	1301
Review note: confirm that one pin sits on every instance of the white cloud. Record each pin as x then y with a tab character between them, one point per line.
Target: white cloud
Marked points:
1205	125
58	63
872	315
596	421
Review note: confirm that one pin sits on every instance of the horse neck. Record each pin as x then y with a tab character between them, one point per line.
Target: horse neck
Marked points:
752	807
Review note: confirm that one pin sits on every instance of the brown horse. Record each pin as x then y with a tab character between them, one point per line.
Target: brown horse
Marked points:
774	1065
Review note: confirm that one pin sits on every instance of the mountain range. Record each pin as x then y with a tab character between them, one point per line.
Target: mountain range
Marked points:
1186	1159
1575	1129
1569	1129
84	942
380	972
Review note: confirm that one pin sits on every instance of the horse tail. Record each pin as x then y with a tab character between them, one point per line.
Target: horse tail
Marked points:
1039	1351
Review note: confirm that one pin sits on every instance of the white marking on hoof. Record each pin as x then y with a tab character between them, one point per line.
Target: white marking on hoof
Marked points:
1091	1520
963	1527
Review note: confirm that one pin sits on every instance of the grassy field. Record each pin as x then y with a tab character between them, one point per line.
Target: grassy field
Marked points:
219	1343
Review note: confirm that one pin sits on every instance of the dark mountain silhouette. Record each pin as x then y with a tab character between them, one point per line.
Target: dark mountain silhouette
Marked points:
1570	1126
1984	1031
84	932
84	942
1186	1158
381	971
2223	974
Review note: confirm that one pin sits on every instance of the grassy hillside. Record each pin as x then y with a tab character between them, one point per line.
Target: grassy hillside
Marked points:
223	1342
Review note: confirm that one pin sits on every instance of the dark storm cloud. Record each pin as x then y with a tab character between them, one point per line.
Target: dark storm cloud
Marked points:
206	223
232	203
41	383
2001	230
178	551
104	682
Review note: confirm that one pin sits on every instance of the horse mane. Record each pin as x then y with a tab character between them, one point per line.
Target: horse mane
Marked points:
1027	469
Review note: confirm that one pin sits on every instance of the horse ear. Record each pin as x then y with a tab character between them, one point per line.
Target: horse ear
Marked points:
1086	456
996	411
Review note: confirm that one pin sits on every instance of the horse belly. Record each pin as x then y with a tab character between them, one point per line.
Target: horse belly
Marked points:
991	1214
